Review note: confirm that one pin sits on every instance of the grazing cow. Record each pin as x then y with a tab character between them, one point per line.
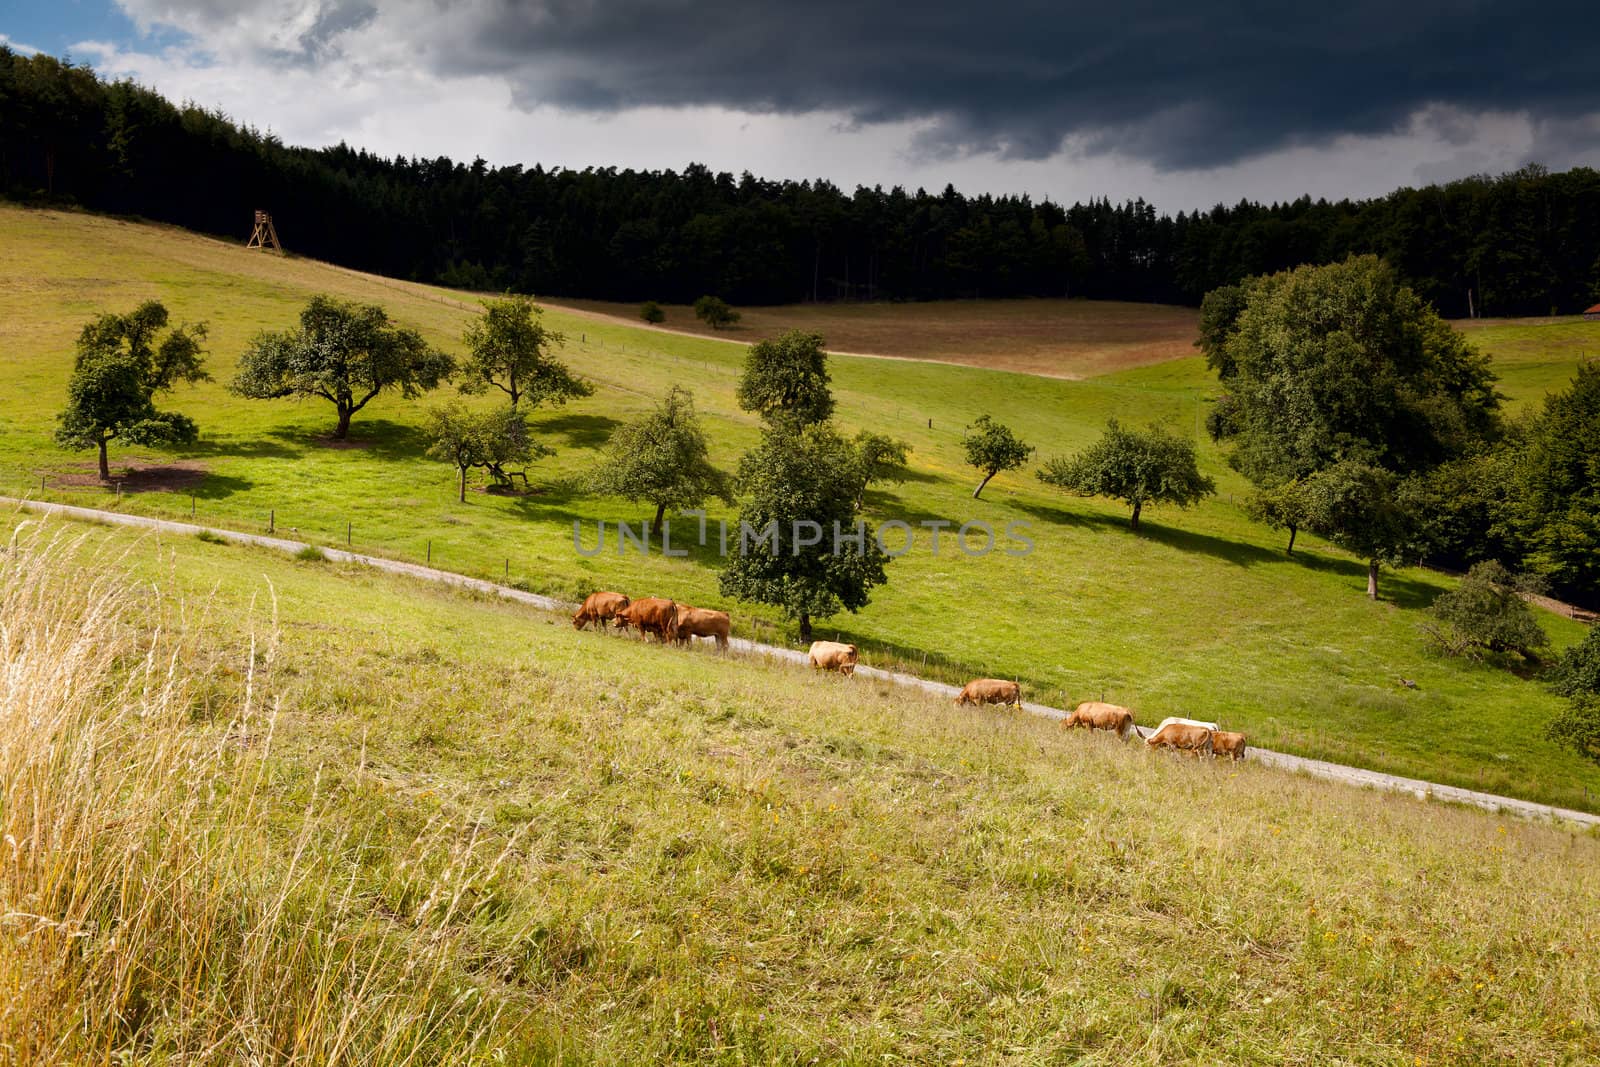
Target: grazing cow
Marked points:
1098	715
1225	743
1184	737
702	622
990	691
834	656
651	615
597	608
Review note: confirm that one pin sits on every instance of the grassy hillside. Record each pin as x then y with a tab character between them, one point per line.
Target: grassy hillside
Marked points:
1058	338
542	846
1201	614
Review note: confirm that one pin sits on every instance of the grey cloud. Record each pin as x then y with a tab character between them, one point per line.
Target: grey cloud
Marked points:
1162	81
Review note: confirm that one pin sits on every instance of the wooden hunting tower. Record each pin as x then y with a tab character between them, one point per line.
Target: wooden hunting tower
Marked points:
265	235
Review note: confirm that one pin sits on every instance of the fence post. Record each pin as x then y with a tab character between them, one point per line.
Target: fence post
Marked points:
348	535
272	521
430	553
508	570
191	505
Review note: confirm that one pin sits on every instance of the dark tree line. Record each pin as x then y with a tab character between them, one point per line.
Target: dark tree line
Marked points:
1523	243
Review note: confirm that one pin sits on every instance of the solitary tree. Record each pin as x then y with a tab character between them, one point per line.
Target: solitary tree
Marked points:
345	353
662	459
122	362
1137	467
715	312
487	439
798	546
786	379
1362	508
1282	506
652	313
993	448
509	347
882	459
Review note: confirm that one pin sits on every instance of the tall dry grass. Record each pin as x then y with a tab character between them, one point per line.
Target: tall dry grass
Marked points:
153	906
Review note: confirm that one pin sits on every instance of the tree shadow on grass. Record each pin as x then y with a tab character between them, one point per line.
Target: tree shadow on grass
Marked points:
245	448
1239	553
381	438
579	431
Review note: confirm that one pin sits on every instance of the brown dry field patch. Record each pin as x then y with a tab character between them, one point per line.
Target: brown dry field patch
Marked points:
1055	338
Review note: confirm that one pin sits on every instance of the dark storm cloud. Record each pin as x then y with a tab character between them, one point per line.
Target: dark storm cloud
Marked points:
1162	80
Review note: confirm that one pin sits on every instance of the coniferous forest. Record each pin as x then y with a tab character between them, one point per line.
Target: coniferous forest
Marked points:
1523	243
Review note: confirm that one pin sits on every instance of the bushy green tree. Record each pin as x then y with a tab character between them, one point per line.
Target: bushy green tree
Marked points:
1485	611
487	439
715	312
662	459
509	349
1577	726
1136	467
882	458
1577	672
653	313
992	447
344	353
1361	507
800	485
1557	511
786	380
122	362
1343	363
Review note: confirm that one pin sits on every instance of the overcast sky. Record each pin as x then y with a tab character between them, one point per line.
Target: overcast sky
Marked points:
1155	98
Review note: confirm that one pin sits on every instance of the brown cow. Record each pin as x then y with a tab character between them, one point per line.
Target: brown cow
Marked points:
1225	743
651	615
834	656
1098	715
597	608
990	691
702	622
1183	737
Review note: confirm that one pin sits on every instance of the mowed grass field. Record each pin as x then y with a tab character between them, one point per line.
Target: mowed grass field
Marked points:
1201	614
448	829
1056	338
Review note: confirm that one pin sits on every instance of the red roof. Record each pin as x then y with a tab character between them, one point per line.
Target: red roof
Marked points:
1594	310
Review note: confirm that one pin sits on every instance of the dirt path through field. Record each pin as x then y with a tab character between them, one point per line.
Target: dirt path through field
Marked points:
1336	772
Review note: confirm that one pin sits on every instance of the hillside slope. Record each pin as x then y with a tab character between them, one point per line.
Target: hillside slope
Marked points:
674	856
1201	614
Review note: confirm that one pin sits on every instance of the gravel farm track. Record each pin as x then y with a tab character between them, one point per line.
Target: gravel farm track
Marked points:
1355	776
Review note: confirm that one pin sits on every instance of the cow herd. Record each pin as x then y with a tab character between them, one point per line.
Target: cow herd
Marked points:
678	623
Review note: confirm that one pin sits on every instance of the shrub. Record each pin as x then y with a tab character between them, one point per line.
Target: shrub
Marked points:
311	554
1486	612
211	538
715	312
652	313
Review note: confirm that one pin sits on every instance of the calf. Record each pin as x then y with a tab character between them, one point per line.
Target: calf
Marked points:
834	656
990	691
1229	744
598	608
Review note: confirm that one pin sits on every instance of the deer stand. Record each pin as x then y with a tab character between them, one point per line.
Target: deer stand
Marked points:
265	235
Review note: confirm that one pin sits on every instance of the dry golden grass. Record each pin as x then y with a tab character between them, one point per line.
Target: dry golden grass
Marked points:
151	907
1055	338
